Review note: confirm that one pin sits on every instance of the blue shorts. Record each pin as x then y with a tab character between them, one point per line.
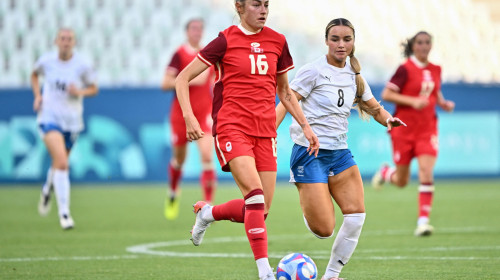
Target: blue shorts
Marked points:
305	168
69	137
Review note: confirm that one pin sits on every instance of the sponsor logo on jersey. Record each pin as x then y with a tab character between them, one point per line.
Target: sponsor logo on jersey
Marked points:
328	78
255	48
229	146
256	230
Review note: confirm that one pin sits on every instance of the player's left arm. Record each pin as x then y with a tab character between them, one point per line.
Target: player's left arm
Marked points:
446	105
382	116
88	91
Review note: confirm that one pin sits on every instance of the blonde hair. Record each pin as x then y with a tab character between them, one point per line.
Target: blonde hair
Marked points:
363	109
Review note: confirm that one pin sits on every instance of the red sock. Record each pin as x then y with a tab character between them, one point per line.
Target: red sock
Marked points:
426	192
233	210
208	182
174	177
255	226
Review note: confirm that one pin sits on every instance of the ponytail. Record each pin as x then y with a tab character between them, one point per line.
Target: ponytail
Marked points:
363	109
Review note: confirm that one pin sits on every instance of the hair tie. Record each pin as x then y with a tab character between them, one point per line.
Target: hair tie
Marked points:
357	73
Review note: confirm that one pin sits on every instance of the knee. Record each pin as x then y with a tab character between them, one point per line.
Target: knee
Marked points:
60	164
323	232
320	230
401	182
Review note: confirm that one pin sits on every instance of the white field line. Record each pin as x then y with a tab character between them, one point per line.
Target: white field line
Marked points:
158	249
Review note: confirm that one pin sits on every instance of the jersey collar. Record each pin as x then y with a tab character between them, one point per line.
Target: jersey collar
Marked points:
246	31
418	62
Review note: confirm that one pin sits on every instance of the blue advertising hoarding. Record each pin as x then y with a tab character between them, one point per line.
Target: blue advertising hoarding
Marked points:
127	139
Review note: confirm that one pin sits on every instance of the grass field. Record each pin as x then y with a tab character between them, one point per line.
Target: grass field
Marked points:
120	233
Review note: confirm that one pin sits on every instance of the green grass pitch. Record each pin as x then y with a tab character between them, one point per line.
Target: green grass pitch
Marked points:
121	233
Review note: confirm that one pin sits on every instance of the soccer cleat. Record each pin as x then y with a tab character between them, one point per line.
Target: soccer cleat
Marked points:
424	230
333	278
201	224
269	276
44	204
171	208
377	179
66	222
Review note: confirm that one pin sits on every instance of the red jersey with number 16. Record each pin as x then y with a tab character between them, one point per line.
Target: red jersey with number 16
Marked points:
246	67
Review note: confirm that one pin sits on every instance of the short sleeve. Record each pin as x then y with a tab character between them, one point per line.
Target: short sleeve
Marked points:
367	94
214	51
305	80
285	61
39	66
89	76
175	62
399	79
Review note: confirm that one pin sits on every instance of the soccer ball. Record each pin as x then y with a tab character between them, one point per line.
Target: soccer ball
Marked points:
296	266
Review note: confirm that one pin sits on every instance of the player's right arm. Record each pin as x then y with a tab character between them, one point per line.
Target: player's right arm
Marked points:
168	82
392	91
195	68
35	85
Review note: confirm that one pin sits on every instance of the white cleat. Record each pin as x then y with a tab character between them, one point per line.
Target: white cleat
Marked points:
66	222
44	204
200	225
333	278
424	230
377	179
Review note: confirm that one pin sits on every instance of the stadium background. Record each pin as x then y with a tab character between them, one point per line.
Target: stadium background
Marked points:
130	42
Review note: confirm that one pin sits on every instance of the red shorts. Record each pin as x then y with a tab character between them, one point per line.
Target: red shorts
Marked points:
234	143
405	149
178	126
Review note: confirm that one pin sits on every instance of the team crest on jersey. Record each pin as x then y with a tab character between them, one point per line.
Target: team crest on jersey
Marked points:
300	170
255	48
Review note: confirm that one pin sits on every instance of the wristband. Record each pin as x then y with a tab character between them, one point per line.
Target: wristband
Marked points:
387	121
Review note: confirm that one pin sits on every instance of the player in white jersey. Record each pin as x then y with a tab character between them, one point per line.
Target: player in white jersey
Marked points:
67	80
327	89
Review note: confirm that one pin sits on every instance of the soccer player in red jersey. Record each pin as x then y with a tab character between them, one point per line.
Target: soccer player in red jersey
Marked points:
201	100
415	88
251	64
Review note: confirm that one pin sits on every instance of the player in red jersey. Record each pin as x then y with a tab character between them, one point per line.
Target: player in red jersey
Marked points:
415	88
201	101
251	63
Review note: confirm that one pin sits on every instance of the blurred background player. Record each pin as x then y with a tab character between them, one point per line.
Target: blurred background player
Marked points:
252	62
328	88
67	80
415	89
201	100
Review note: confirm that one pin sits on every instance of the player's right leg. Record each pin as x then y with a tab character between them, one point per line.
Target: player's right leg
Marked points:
56	145
179	149
208	178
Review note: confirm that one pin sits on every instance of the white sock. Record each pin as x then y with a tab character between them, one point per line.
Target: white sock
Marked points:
206	214
48	181
345	243
62	188
263	267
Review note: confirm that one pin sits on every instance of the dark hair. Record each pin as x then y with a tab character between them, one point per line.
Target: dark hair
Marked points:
193	20
408	43
362	108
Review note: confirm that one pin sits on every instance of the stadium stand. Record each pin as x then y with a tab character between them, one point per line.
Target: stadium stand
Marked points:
130	41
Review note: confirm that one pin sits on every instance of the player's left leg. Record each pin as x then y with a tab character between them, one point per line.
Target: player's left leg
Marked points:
346	188
426	165
208	178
